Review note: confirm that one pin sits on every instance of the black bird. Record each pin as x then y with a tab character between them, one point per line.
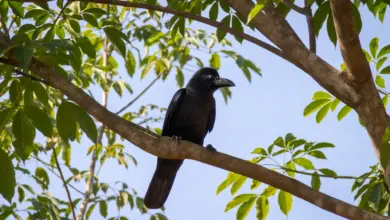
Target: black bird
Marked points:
190	115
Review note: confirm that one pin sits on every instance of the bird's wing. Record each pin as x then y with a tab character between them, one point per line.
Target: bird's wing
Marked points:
211	119
173	109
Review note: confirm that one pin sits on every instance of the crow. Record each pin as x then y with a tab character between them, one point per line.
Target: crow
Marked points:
190	116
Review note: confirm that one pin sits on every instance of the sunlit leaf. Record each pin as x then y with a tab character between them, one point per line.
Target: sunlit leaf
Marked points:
285	201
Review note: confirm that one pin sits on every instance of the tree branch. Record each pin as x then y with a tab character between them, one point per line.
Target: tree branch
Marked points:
310	26
370	108
92	166
165	147
198	18
65	185
295	7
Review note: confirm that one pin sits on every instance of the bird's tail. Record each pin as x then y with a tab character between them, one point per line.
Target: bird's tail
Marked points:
161	184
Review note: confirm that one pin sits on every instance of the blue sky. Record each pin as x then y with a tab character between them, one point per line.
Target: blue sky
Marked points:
257	114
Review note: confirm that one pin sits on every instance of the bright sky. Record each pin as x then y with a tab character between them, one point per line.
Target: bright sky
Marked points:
256	115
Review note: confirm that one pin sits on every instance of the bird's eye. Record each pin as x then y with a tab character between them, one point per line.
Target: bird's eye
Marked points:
210	77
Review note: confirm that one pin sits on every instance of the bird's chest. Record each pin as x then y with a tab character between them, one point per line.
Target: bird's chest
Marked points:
192	119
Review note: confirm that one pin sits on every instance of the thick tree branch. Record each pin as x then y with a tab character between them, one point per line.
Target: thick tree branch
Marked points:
65	185
370	108
165	147
273	26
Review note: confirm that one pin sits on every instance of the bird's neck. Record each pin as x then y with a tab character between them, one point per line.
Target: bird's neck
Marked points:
202	94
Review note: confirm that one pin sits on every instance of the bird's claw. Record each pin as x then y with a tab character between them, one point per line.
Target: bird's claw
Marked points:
176	138
211	148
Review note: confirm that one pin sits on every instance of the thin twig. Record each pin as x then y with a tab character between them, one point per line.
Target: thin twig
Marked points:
310	26
30	76
295	7
48	166
198	18
321	175
58	17
138	96
65	185
4	26
92	165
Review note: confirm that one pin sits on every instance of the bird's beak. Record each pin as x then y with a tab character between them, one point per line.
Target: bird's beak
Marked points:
221	82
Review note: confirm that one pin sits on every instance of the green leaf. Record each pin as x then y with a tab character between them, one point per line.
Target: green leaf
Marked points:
15	91
91	19
322	145
41	93
7	172
238	200
375	195
74	24
130	63
262	208
385	100
285	202
41	174
179	77
331	30
380	81
254	11
343	112
40	120
385	148
90	210
66	154
385	70
86	46
213	13
21	194
380	63
255	184
374	46
314	105
323	112
24	133
238	184
103	208
222	186
113	35
303	162
315	181
35	13
269	191
317	154
23	55
260	151
321	95
17	8
328	172
320	16
236	24
290	166
221	33
87	124
66	121
245	208
368	56
215	61
334	105
384	51
224	5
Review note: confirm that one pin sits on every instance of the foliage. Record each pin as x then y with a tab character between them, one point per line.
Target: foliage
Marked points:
86	43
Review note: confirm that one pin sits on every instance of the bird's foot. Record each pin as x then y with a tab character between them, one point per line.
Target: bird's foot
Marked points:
176	138
211	148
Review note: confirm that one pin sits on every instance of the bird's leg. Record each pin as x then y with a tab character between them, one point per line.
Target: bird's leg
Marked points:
176	138
211	148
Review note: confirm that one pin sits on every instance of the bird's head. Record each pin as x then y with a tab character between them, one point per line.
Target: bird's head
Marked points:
207	79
